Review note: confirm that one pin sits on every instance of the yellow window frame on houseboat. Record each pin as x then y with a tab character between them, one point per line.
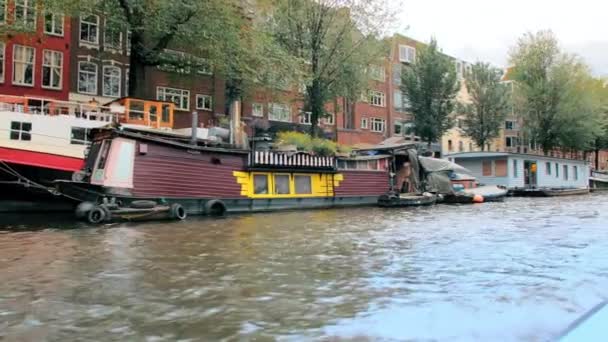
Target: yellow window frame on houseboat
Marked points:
321	184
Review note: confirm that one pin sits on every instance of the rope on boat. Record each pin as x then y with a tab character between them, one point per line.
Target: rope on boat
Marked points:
25	181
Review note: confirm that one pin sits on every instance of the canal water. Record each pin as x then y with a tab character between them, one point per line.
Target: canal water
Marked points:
518	270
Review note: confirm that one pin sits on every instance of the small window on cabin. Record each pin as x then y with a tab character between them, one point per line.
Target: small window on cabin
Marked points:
487	168
556	170
303	185
575	172
166	115
136	110
548	168
351	164
565	172
341	164
21	130
372	164
79	136
515	169
501	168
260	184
362	165
153	111
103	155
281	185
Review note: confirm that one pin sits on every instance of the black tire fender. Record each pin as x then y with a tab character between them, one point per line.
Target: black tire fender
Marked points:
96	215
215	207
177	212
143	204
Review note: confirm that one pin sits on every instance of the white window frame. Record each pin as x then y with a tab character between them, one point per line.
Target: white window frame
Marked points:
89	25
284	115
204	97
257	110
55	19
52	66
96	77
25	11
378	72
377	98
381	125
74	141
21	131
105	41
167	94
329	119
2	60
306	118
407	54
110	77
32	63
364	123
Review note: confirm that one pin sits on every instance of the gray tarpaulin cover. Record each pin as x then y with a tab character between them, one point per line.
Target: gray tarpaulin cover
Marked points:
415	170
438	174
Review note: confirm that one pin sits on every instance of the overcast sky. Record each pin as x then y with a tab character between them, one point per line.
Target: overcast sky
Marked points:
486	29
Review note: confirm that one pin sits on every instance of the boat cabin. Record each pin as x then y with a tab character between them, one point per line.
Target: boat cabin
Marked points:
149	113
524	171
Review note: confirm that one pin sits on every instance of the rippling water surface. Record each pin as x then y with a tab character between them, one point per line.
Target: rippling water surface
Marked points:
518	270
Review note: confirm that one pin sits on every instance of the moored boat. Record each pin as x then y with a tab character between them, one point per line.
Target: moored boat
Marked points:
406	200
547	192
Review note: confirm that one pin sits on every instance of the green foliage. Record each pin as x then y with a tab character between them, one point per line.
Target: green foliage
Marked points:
431	86
485	115
554	94
305	143
333	42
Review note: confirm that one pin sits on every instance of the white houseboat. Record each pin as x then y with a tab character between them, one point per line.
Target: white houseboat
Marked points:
527	174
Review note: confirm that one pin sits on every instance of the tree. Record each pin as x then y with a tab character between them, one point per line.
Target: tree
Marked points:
334	42
552	91
486	113
431	86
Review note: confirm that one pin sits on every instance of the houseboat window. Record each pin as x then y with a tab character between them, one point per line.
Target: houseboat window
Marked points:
501	168
260	184
341	164
303	185
281	184
136	110
362	165
21	130
515	169
486	166
153	111
556	170
103	155
92	154
373	164
565	172
166	117
79	136
548	168
575	172
351	164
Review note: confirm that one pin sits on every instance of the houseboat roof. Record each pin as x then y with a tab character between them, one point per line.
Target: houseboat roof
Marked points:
475	155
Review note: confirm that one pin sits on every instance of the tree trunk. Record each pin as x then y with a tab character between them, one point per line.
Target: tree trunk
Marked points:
316	107
597	158
137	68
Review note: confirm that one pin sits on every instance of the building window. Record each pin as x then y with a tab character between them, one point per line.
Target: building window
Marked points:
329	119
25	13
575	172
79	136
378	125
257	109
509	125
52	65
89	29
281	185
450	146
399	101
53	24
397	74
398	128
87	78
556	170
260	184
23	65
303	184
204	102
2	49
515	168
548	168
461	148
565	172
111	81
279	112
305	118
377	98
364	123
21	130
470	147
511	141
180	97
407	54
112	36
377	72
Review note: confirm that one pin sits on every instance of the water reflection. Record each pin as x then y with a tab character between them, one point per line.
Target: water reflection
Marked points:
502	271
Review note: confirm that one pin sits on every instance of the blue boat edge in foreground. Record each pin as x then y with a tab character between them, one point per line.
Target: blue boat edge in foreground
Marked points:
592	326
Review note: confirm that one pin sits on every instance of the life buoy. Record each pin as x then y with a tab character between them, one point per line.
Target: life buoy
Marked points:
96	215
215	208
177	212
